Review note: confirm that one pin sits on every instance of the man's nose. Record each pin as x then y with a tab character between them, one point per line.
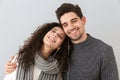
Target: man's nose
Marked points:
71	27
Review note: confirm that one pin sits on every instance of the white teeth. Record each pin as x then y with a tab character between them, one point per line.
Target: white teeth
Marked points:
74	31
51	39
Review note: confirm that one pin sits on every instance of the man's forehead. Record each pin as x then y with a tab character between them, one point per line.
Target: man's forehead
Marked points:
67	17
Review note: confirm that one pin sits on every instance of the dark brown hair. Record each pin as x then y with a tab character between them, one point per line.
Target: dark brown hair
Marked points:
68	7
27	52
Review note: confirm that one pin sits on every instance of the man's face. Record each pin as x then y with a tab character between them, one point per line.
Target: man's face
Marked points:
73	26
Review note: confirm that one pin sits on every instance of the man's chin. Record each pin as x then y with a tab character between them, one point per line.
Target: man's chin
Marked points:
75	38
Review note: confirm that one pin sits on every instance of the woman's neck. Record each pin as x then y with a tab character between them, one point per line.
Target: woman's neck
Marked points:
46	52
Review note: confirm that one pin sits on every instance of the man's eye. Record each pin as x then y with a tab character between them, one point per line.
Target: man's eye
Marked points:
74	21
65	25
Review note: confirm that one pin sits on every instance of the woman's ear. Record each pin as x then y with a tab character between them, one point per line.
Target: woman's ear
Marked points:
58	49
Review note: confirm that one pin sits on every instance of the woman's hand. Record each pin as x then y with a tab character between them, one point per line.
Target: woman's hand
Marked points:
10	66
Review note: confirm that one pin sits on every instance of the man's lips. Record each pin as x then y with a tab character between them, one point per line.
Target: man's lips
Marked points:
74	31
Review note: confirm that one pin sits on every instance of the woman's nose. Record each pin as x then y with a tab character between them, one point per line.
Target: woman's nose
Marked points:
54	35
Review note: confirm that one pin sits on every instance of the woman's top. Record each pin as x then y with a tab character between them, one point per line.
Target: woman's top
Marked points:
49	70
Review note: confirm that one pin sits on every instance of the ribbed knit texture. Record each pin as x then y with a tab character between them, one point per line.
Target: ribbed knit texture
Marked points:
49	69
93	60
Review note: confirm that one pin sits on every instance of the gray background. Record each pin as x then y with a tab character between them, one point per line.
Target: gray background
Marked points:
19	18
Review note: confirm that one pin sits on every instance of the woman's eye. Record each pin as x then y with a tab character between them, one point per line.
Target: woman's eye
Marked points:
53	31
60	36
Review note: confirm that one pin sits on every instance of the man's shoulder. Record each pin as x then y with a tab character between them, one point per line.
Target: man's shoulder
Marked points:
101	47
101	43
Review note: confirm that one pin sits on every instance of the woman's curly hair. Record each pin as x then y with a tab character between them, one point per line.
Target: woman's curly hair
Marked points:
32	45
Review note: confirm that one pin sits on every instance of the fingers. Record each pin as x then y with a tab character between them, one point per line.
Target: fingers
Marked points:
12	57
9	66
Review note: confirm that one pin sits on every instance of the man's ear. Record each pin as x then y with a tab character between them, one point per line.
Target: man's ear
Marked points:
84	20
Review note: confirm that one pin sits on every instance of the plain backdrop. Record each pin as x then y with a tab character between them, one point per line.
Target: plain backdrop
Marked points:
19	18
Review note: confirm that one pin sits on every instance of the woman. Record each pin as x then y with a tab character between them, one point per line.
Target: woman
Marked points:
44	55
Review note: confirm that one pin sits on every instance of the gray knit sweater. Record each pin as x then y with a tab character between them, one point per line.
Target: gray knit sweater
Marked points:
92	60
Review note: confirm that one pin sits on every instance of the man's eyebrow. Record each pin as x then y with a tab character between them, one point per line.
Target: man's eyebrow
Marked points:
74	19
70	20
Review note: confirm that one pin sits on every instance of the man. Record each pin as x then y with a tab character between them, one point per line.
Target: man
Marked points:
91	58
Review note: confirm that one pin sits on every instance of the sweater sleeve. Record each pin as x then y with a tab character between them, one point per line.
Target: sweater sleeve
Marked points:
109	69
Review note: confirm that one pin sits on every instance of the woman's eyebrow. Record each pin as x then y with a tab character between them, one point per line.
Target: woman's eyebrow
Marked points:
60	32
54	29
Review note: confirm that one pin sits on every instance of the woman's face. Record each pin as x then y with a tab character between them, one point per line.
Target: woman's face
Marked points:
54	38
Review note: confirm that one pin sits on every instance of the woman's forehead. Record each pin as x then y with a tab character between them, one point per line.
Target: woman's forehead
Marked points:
59	30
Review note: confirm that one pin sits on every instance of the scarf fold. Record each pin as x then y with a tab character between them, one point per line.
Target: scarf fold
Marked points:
49	69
